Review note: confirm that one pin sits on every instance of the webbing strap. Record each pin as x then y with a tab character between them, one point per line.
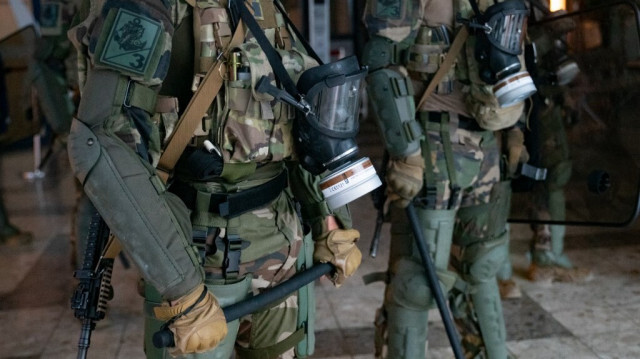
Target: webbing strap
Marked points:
295	30
448	150
230	205
429	173
272	55
449	59
439	121
196	109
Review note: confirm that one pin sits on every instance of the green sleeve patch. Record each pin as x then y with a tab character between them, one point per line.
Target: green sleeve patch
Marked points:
51	18
388	9
129	42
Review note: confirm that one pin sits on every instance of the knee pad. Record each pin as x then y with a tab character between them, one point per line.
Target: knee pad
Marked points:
481	261
408	287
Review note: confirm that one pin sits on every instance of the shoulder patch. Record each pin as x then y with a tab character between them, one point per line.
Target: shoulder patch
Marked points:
51	18
386	9
128	42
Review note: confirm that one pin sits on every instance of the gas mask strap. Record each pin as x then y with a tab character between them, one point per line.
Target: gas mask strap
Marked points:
295	30
270	52
474	6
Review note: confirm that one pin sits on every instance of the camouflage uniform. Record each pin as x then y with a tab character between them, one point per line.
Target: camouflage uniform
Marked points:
547	245
9	234
54	71
54	75
461	206
139	63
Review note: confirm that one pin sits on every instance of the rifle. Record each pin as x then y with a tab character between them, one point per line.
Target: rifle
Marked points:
379	197
89	300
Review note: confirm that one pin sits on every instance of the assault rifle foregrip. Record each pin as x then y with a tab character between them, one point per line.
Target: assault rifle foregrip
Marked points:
89	300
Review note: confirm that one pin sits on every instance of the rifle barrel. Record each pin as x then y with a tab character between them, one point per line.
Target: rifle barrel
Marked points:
85	338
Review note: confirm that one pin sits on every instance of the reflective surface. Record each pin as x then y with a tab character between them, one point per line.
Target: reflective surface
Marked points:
588	130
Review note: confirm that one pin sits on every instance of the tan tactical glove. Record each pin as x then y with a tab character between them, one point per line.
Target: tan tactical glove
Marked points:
200	329
404	179
516	151
338	247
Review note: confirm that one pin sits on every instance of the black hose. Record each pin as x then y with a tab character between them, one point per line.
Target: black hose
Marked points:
434	283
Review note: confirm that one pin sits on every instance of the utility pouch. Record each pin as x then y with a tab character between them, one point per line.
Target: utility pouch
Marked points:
199	165
253	117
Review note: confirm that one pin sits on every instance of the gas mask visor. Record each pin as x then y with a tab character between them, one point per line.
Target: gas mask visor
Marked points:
326	133
499	44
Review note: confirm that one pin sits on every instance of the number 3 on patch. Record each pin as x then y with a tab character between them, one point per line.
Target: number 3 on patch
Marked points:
129	42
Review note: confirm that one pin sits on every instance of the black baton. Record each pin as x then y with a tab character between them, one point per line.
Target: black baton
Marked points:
164	337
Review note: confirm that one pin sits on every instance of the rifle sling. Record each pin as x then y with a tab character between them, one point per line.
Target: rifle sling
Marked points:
196	109
189	120
452	54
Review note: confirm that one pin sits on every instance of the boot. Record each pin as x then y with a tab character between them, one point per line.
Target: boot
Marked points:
509	289
12	236
549	263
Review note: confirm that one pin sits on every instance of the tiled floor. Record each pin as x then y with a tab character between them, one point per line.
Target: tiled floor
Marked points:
598	319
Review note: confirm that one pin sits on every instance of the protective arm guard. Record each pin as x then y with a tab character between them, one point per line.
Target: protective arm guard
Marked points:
391	98
314	208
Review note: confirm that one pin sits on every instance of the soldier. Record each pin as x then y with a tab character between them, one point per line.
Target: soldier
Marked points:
554	71
9	234
514	154
54	71
228	228
54	75
445	159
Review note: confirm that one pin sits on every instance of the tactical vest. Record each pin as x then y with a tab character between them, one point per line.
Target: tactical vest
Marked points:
246	126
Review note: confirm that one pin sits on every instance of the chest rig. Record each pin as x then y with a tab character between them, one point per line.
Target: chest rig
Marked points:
249	130
243	124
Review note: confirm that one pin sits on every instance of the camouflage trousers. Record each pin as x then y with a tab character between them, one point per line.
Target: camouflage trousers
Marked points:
549	195
268	241
461	213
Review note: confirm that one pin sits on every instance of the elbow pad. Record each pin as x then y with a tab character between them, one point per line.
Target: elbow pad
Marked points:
391	98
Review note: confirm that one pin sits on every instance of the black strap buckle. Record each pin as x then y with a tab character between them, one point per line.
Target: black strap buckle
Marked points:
428	199
232	252
455	191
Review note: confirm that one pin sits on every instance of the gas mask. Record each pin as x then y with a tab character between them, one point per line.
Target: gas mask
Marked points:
562	69
326	126
499	36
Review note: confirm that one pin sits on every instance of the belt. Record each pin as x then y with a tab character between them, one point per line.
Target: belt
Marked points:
464	122
229	205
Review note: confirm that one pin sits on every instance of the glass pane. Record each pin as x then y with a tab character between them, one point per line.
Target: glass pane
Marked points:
588	134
